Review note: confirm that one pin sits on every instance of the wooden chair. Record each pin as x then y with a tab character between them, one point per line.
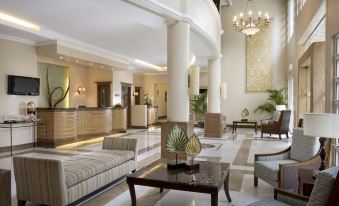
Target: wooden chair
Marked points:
325	192
280	127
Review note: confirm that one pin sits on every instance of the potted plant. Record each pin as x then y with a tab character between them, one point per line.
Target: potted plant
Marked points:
118	105
199	108
147	101
276	97
176	142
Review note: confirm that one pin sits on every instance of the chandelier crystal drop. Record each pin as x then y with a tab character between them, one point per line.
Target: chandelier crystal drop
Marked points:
251	22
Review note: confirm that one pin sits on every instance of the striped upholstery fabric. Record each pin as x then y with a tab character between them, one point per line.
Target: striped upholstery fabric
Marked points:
291	200
283	156
303	147
40	180
57	183
90	185
323	186
269	170
82	167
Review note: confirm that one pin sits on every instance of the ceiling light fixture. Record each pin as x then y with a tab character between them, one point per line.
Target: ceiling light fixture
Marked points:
60	57
76	61
102	66
250	21
20	22
143	63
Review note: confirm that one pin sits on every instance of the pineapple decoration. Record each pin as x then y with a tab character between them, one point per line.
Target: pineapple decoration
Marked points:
193	148
175	143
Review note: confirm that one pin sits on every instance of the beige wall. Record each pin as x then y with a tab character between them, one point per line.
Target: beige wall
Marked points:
96	75
118	78
234	59
15	59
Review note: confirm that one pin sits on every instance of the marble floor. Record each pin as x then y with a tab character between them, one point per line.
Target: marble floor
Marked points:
237	149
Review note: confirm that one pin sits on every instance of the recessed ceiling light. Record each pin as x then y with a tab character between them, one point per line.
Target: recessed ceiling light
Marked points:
102	66
150	65
91	64
61	57
76	61
18	21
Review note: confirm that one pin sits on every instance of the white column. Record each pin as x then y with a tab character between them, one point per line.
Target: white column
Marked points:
214	73
178	50
194	80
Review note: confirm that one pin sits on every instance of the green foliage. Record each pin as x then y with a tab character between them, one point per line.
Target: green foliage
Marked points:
176	141
148	101
199	105
276	97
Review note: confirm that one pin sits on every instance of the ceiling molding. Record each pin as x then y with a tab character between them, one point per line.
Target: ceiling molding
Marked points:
172	14
17	39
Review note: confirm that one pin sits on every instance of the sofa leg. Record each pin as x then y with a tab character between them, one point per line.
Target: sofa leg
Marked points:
287	135
255	181
280	136
133	171
21	202
262	135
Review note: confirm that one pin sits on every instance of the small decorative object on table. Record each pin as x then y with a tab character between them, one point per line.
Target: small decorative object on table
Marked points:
245	113
192	149
31	110
175	143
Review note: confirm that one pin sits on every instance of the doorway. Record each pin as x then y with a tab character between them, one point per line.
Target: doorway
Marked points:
104	94
160	99
126	100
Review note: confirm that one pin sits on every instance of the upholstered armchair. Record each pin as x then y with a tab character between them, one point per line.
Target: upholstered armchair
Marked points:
323	193
280	127
281	169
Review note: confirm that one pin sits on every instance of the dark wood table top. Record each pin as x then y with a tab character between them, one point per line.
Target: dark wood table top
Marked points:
211	175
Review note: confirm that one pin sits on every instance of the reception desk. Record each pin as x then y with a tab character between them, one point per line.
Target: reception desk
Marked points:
71	125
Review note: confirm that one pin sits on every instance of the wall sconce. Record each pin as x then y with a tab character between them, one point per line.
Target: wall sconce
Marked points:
81	90
135	93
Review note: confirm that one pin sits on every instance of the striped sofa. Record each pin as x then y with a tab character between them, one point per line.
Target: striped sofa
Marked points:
57	183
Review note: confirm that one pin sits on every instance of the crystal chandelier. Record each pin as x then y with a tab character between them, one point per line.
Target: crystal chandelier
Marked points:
250	22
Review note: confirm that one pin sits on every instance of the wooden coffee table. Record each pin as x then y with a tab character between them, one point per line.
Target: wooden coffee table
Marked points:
236	123
209	179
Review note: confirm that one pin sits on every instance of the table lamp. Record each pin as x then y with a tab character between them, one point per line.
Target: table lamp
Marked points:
323	125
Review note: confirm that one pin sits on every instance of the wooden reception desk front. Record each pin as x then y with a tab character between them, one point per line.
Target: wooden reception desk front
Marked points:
71	125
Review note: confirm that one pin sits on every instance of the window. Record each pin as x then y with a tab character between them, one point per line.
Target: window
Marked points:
291	18
336	88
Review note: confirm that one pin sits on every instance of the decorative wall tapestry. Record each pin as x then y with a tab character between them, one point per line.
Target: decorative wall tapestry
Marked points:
259	61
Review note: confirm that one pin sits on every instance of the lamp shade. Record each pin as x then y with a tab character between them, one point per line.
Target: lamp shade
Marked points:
321	125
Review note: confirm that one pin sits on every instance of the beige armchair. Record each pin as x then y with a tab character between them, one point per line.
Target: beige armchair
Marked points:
323	193
281	169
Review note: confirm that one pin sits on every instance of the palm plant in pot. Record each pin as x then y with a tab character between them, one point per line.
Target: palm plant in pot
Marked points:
199	108
276	97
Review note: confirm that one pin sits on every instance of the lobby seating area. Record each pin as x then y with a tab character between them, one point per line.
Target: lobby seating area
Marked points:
169	103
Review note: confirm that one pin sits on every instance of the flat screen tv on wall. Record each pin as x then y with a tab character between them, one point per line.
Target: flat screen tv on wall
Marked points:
18	85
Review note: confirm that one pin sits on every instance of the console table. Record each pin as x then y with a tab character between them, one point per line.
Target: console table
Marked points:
24	124
236	123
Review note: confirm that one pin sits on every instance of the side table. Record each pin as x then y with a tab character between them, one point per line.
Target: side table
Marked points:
306	181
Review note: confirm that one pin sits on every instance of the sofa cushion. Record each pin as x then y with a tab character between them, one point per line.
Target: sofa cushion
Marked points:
82	167
269	169
323	187
303	147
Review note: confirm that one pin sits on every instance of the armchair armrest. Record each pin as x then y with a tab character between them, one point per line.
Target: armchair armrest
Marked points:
288	173
290	198
40	180
282	155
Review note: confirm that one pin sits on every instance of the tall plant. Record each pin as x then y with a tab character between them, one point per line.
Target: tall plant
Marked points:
276	97
199	105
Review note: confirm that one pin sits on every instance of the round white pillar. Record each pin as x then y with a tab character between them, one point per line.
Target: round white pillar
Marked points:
194	80
178	54
214	73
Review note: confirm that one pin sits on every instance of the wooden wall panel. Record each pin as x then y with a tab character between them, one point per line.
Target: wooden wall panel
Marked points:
119	120
94	122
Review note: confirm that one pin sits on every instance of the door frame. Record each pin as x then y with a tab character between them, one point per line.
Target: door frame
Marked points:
129	109
109	92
